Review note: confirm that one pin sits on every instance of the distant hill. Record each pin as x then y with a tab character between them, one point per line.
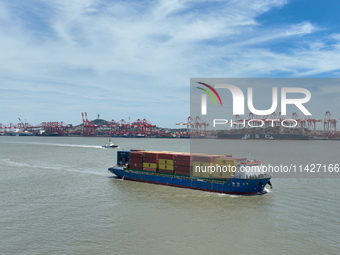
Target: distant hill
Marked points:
100	122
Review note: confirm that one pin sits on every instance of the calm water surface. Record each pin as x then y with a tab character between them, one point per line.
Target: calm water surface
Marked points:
57	197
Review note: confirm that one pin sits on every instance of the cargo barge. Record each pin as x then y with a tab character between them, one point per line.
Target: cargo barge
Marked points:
266	133
206	172
263	136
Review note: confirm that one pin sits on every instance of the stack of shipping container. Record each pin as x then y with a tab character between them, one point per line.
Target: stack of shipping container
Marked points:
136	160
150	161
184	163
166	162
201	165
226	164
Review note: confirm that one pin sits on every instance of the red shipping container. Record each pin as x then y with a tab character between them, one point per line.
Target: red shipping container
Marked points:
150	155
182	163
136	150
182	168
136	160
150	160
136	154
204	158
166	171
182	173
166	155
185	157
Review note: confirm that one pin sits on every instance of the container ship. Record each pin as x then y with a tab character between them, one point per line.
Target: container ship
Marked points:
206	172
275	133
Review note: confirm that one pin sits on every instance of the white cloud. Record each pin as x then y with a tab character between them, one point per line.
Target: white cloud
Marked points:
302	28
335	37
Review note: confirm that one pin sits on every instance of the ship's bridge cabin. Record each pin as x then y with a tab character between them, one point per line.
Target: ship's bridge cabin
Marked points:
249	169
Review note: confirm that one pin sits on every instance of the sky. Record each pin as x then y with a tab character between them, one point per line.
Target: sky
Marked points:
134	59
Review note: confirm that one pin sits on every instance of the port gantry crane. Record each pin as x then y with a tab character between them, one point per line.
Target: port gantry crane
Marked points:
195	127
329	125
89	129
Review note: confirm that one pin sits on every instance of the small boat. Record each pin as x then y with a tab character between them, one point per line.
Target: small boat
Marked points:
110	145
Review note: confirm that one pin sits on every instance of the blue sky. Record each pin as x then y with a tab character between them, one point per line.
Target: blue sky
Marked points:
135	59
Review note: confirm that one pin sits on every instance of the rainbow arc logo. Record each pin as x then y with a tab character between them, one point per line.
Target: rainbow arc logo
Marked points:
209	93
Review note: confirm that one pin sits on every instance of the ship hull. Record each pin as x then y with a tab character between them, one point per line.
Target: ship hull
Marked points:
235	186
263	136
20	134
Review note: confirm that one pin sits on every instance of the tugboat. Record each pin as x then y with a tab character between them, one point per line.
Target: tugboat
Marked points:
110	145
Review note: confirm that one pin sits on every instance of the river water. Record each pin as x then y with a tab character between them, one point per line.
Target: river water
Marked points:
57	197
